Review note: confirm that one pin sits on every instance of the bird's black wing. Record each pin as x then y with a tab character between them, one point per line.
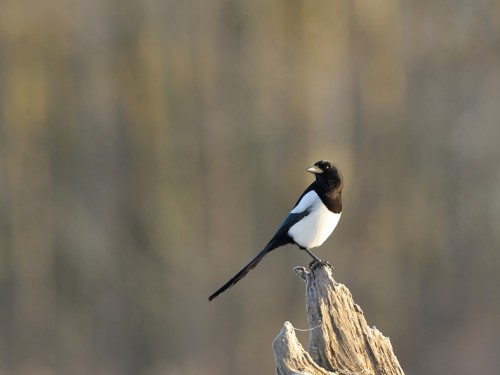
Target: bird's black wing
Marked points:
281	237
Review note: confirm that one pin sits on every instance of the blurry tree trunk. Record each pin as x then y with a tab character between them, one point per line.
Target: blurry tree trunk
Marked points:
340	341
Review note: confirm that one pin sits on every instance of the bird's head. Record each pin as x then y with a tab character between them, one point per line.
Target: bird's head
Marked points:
327	173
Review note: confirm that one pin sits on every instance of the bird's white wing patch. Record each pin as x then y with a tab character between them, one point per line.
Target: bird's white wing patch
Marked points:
307	201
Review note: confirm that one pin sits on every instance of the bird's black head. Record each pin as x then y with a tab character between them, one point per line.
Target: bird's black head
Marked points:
327	173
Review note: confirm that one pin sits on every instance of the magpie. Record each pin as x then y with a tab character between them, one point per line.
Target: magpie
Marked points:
310	222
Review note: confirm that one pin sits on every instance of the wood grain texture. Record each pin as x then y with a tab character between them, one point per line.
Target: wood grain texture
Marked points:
340	340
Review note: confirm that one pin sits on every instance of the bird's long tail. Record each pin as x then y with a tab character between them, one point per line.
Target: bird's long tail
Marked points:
250	266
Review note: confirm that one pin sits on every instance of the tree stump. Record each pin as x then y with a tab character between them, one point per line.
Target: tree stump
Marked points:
340	341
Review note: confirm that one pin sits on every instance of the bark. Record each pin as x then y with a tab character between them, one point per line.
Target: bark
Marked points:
340	340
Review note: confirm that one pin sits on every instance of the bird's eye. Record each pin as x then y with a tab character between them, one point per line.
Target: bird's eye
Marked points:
327	167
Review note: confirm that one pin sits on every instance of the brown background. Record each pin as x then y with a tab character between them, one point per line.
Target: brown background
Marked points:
148	149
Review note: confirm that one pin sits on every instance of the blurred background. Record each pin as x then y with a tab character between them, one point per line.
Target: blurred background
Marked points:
149	149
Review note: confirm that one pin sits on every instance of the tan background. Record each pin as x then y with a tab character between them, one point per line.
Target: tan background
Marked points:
148	149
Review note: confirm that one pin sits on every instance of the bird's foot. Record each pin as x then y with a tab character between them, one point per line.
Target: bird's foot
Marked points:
316	262
319	263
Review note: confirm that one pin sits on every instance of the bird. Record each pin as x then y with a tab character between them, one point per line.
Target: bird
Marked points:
309	223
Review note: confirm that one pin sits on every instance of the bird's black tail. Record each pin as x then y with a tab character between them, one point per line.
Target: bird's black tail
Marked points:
250	266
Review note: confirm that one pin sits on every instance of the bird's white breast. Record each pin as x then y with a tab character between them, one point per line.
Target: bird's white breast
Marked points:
316	227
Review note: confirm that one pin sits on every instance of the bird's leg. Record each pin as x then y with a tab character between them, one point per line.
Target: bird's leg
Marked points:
312	255
316	261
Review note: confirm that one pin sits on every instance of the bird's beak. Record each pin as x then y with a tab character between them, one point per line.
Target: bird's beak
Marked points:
314	169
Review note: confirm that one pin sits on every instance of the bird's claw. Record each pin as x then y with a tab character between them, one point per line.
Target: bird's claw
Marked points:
319	263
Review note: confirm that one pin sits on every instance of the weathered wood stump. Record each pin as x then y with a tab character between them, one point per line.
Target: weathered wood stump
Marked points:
340	341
